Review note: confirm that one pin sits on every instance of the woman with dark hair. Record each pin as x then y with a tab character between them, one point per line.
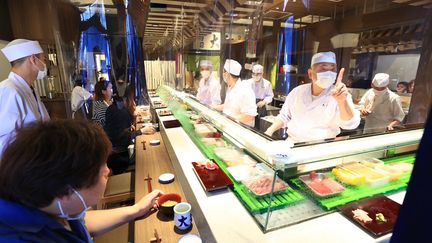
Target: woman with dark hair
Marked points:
119	127
50	175
102	99
402	87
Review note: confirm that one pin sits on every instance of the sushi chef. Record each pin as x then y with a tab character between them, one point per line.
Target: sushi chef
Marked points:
209	87
240	98
318	110
263	91
381	107
19	99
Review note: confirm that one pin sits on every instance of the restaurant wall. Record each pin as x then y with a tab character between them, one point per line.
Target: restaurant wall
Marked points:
5	26
4	63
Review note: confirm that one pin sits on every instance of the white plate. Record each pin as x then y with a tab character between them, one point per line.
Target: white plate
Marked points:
190	238
166	178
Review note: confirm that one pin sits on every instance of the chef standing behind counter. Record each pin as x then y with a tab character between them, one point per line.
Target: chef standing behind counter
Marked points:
263	91
209	87
381	107
19	100
240	98
318	110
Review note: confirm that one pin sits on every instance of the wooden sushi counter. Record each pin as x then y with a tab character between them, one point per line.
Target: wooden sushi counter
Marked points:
152	161
220	216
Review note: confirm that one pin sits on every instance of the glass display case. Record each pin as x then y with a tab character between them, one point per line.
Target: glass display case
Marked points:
281	184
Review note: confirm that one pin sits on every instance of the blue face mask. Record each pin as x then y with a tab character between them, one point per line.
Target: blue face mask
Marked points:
79	216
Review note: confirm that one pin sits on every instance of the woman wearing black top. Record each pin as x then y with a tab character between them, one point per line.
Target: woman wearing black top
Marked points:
119	127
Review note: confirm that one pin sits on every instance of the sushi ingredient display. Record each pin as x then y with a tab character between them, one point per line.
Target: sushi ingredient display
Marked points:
321	185
263	185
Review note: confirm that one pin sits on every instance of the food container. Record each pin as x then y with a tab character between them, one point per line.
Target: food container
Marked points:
204	129
391	172
348	177
242	172
371	176
230	156
262	185
321	185
402	167
166	203
372	162
214	141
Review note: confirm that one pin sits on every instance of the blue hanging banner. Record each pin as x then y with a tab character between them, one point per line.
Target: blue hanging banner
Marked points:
94	56
135	64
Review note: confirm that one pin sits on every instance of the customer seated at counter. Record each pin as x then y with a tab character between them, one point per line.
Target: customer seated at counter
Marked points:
320	109
102	99
120	130
240	98
381	107
50	175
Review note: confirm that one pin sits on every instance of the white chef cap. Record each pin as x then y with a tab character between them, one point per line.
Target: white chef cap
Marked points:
206	63
320	57
381	80
257	68
233	67
20	48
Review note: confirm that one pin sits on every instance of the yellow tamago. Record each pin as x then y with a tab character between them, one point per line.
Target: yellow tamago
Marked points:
347	177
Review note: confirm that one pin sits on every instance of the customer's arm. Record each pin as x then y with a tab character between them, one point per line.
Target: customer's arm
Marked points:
101	221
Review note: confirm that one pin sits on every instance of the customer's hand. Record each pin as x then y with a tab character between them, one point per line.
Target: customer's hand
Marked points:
147	130
148	203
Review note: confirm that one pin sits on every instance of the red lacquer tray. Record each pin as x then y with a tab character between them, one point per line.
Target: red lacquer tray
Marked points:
211	180
171	123
374	205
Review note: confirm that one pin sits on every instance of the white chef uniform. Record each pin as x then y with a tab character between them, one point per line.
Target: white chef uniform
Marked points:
262	89
240	99
209	91
18	107
384	108
19	104
311	118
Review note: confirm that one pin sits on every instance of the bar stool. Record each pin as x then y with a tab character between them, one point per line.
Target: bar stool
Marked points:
119	188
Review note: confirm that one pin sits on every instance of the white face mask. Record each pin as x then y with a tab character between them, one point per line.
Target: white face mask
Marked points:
205	74
42	73
256	77
79	216
224	77
379	92
325	79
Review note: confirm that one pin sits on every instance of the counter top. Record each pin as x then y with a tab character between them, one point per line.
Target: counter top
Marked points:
229	221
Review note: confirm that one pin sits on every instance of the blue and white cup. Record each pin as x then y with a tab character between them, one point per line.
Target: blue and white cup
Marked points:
182	215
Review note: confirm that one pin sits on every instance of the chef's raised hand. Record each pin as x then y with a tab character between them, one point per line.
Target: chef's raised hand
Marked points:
340	91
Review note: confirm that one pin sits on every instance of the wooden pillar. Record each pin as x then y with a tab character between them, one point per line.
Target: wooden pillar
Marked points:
422	96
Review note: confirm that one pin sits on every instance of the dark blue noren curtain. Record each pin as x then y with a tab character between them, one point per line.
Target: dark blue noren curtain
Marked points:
135	63
94	55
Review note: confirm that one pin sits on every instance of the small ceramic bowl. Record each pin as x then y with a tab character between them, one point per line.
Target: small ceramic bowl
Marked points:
167	202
